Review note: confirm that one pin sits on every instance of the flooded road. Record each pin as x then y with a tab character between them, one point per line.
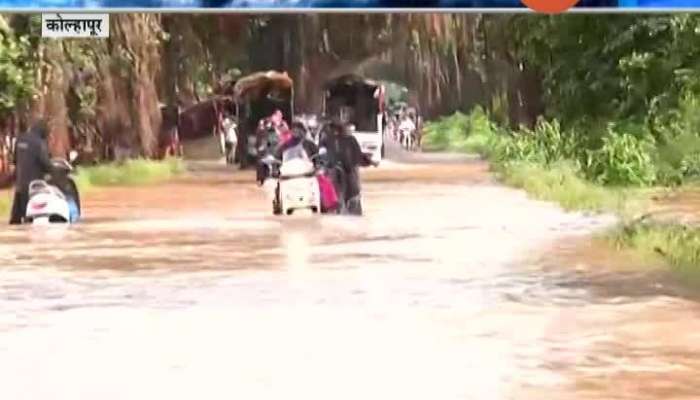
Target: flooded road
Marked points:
451	287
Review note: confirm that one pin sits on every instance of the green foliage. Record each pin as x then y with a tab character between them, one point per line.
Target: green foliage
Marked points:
677	244
132	172
639	72
545	144
395	93
474	133
445	133
611	66
5	203
679	142
561	182
679	159
625	154
624	159
16	69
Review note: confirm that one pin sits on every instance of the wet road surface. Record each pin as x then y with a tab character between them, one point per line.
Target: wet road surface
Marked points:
451	287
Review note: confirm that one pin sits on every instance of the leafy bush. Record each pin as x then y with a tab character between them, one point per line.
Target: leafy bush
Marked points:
447	133
546	144
679	159
16	72
624	159
460	132
615	154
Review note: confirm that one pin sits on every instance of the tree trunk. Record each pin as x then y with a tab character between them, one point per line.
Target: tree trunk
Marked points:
51	104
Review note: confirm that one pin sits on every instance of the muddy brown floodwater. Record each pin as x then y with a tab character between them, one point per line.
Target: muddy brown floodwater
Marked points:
451	287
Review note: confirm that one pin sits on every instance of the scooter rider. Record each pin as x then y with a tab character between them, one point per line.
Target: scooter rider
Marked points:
271	131
343	149
32	162
299	136
274	121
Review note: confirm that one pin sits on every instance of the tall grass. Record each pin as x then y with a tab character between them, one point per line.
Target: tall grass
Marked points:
679	245
129	173
562	183
614	154
599	168
5	202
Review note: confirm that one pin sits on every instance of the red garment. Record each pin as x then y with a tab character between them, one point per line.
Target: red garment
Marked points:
329	197
280	127
285	136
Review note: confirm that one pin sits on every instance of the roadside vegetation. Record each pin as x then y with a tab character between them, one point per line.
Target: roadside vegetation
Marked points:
617	172
613	119
5	202
678	244
129	173
134	172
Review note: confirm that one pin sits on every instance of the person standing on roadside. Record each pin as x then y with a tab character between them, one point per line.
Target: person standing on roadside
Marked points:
230	139
32	162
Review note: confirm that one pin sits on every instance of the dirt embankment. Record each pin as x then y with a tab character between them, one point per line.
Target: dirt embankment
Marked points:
682	206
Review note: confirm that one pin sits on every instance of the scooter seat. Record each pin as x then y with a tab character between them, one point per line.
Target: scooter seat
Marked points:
37	187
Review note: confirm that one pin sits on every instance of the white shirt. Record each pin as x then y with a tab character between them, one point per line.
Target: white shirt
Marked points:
407	124
230	131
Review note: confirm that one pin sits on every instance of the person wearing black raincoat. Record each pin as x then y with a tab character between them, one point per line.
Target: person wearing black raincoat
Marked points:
32	162
343	150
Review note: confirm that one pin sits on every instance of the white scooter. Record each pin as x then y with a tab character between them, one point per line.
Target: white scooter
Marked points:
49	204
294	183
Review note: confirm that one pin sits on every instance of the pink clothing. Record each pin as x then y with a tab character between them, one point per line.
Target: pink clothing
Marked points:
276	118
329	197
285	135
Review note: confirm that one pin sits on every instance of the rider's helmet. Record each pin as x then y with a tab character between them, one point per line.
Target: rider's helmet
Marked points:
298	129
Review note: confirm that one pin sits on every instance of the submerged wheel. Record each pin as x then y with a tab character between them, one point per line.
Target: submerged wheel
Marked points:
290	211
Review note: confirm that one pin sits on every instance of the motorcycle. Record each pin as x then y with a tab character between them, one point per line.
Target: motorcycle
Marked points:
294	182
56	199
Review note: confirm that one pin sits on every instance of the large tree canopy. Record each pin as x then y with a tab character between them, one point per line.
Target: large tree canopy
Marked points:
518	67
